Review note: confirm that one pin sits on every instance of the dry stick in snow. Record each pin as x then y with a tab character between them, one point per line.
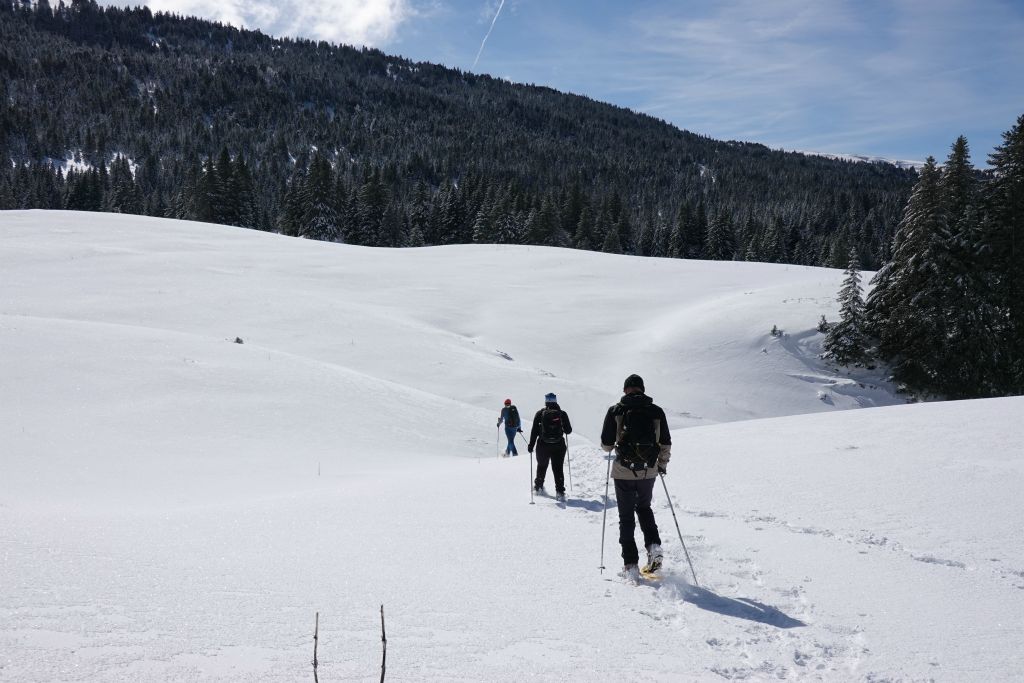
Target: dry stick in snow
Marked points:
384	641
316	637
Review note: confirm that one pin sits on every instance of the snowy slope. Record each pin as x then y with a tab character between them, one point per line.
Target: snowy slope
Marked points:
176	506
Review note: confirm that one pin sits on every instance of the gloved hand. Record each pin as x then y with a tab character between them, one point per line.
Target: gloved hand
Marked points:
520	430
498	424
529	450
661	470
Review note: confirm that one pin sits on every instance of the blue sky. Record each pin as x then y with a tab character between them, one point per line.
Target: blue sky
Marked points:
897	78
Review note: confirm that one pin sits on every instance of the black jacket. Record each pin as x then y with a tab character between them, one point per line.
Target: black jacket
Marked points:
611	432
538	429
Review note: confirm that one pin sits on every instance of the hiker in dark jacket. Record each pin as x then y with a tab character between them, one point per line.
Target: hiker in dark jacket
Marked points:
510	416
550	425
640	457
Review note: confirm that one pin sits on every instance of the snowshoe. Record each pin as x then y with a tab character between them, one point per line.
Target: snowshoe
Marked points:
655	558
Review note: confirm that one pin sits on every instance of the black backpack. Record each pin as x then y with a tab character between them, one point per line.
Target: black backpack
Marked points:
638	449
551	429
512	421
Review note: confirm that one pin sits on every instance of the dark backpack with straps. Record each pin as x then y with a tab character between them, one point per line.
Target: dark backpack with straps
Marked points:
512	419
638	449
551	429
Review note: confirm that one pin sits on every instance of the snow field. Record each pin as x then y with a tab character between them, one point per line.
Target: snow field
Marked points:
175	506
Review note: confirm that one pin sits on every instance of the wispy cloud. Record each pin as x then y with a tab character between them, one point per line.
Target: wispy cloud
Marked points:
795	74
356	22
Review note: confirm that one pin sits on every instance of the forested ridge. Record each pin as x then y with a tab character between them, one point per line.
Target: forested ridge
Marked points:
172	116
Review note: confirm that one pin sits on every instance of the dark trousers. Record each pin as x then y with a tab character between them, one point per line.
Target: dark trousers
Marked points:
634	497
555	453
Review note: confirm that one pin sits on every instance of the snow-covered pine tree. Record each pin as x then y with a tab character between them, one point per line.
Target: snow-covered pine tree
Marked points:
907	309
718	244
583	237
241	188
224	204
846	342
509	230
370	205
1004	246
124	195
612	242
319	217
419	214
970	355
483	232
677	240
290	218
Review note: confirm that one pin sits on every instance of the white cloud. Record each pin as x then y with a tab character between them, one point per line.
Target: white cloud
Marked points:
356	22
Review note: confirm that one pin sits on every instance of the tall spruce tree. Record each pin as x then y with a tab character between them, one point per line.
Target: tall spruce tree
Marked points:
847	341
320	216
1004	248
907	309
971	352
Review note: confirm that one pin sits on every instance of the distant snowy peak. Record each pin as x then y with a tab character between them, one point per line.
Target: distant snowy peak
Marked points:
899	163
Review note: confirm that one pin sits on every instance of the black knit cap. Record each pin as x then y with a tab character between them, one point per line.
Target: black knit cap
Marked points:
633	381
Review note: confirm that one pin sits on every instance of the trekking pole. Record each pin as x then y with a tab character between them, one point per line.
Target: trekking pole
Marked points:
497	443
669	499
604	518
568	459
530	458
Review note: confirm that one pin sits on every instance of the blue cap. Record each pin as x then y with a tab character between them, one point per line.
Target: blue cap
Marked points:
550	398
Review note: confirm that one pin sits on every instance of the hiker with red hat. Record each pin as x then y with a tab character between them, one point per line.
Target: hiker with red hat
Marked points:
510	416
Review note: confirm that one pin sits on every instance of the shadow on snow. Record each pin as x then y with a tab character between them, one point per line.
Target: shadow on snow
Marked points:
740	608
589	505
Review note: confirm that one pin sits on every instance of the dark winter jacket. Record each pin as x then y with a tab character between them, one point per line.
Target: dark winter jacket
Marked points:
538	426
510	416
611	435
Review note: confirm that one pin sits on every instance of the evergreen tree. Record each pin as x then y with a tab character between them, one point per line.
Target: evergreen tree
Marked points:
906	310
124	195
583	237
290	218
719	244
483	232
509	230
678	239
226	207
243	194
612	243
971	352
846	342
319	217
1004	248
371	203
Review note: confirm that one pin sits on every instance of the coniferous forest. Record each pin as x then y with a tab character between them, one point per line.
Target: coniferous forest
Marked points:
947	309
110	109
124	110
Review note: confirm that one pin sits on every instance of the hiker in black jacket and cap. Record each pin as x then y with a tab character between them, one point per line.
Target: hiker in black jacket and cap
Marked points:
550	425
638	432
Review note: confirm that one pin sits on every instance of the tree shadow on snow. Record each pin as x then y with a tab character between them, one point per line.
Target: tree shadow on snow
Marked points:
740	608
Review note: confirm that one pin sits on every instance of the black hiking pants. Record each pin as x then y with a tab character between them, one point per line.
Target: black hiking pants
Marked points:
634	498
555	453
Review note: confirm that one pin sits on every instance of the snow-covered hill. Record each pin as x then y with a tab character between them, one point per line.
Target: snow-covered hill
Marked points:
178	506
899	163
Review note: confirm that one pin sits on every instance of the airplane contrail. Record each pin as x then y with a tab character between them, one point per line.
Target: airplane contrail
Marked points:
484	41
